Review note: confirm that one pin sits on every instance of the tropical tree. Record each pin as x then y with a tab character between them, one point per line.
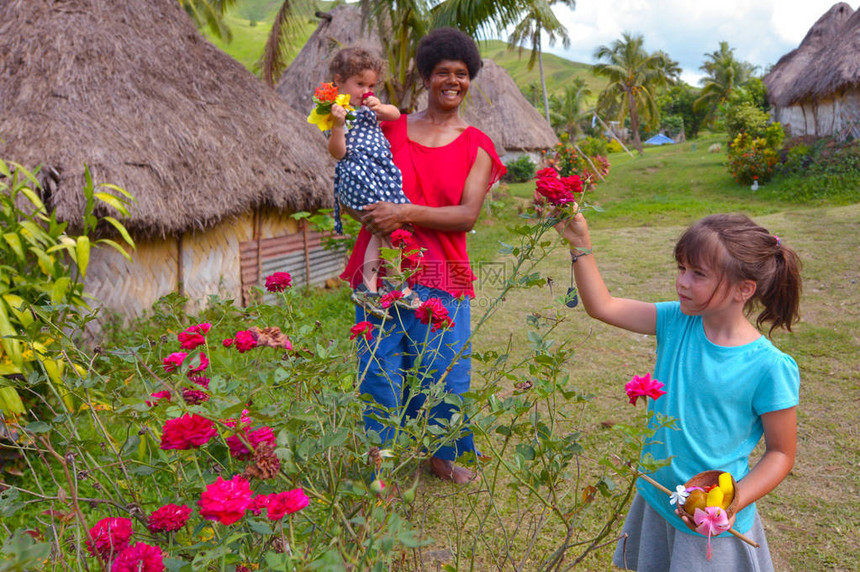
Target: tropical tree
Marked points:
723	75
568	110
538	21
634	76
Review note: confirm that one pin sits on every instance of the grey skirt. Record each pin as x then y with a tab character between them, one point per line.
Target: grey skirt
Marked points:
654	545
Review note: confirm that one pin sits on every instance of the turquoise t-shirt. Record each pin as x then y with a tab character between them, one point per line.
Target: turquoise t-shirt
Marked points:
717	395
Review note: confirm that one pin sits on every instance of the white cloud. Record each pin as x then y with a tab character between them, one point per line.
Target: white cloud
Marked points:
760	31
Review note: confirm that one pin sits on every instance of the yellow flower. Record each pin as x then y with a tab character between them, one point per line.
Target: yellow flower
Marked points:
324	120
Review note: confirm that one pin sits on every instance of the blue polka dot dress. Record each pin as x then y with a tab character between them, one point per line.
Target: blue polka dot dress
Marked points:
366	174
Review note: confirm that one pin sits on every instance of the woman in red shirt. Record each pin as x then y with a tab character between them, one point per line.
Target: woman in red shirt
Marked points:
448	167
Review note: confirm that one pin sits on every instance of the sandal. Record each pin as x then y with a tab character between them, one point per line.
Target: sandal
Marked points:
369	301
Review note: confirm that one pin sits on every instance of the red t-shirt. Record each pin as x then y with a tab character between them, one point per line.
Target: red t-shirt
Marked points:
434	177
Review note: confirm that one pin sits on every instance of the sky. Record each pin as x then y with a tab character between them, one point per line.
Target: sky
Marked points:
760	31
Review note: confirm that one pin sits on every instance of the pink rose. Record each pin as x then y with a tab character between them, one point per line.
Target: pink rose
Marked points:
238	449
642	386
258	503
168	518
109	537
389	298
174	361
228	342
187	432
281	504
245	341
279	281
139	558
157	397
226	501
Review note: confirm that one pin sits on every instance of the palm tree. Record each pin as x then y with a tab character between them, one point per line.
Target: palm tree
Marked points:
209	13
569	109
633	75
539	19
723	75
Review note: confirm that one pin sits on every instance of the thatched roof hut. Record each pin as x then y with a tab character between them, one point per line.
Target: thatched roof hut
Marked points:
132	89
815	88
495	105
215	159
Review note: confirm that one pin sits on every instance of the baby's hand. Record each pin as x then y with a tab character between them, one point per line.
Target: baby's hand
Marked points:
372	102
338	115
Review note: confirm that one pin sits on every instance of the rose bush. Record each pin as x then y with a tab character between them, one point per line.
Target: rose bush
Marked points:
263	463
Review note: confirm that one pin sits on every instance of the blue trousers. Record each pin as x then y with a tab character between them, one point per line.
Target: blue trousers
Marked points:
405	343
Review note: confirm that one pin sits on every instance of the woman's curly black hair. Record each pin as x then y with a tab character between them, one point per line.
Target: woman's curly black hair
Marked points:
447	44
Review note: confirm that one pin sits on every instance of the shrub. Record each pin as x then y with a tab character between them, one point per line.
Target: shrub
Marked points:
751	159
615	147
568	161
40	293
592	146
251	419
521	170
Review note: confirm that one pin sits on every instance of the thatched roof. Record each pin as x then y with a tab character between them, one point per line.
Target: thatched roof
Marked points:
823	63
132	89
495	105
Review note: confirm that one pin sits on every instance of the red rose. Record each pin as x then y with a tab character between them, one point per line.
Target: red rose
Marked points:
364	328
192	337
282	504
388	299
187	432
139	558
279	281
174	361
109	537
258	503
169	518
157	397
228	342
226	501
556	191
433	311
240	451
400	237
245	341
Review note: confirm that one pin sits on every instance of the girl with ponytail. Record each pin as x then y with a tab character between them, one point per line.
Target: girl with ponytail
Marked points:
726	384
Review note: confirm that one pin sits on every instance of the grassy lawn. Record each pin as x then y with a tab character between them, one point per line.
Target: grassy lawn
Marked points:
646	203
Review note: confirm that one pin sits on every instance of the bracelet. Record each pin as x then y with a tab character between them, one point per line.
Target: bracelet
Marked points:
583	252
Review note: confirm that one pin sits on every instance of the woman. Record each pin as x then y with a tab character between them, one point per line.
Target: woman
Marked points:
447	169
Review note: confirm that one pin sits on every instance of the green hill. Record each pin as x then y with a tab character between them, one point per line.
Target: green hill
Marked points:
558	71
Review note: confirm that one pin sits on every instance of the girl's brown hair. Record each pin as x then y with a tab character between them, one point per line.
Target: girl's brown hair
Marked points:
738	249
354	60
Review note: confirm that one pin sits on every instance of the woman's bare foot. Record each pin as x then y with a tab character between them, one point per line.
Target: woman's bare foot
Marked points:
448	471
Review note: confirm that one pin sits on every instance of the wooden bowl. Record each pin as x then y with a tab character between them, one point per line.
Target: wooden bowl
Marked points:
708	478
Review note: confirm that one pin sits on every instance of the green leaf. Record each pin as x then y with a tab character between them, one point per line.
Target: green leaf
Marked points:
38	427
116	246
120	229
83	254
14	241
120	190
111	200
60	289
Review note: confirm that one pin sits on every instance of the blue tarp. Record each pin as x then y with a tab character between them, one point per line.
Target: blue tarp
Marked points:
659	139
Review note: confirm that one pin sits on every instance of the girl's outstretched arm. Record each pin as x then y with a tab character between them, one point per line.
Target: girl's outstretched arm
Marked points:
633	315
